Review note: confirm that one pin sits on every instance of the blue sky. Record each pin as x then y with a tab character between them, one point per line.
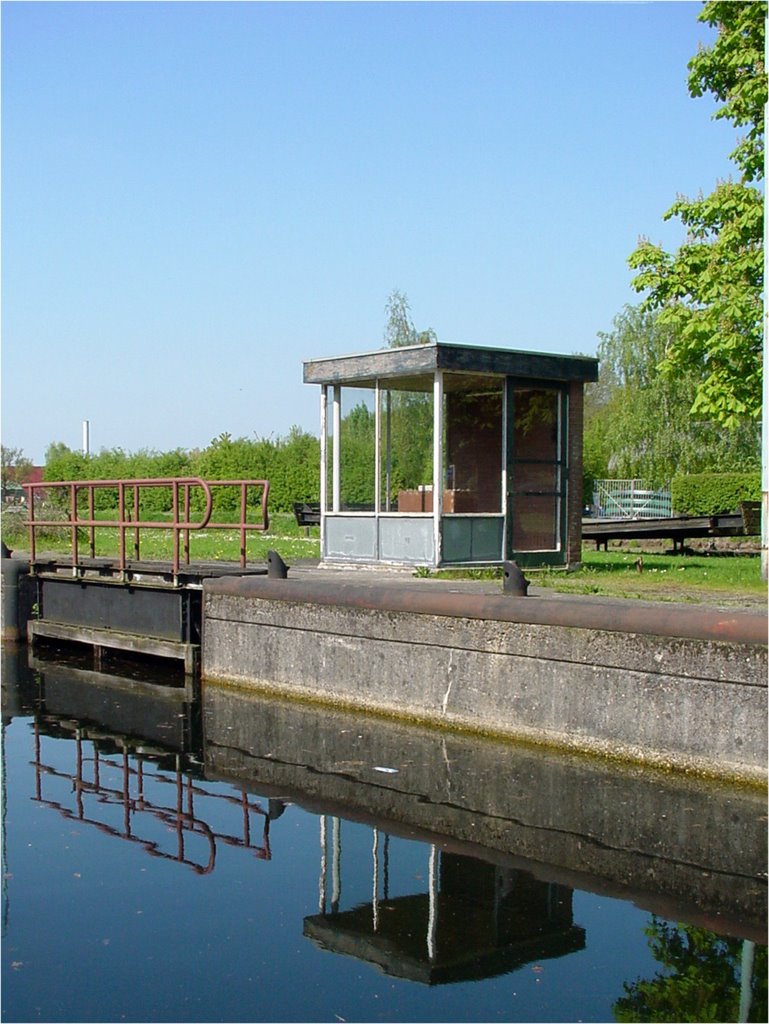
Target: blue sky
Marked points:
196	197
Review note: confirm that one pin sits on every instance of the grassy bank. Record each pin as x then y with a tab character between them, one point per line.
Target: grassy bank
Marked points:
626	570
718	577
207	545
662	577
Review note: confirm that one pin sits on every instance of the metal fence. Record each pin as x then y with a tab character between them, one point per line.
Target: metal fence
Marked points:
630	499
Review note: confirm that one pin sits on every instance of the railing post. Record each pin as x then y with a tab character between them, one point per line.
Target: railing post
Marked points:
92	528
179	809
126	791
137	531
375	881
246	821
79	773
175	525
73	525
432	917
323	866
187	511
29	488
121	517
38	763
243	519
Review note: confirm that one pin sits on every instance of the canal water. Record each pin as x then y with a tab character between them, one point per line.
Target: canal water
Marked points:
186	853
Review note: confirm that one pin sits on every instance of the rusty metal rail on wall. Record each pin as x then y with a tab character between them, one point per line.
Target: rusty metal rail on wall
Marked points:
128	522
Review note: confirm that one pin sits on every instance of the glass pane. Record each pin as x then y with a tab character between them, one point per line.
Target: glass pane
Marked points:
411	451
535	523
474	452
387	498
357	450
535	476
536	424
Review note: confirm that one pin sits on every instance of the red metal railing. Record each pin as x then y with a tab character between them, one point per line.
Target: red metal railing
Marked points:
128	522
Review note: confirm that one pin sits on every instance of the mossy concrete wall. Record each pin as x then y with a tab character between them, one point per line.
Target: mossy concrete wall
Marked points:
680	701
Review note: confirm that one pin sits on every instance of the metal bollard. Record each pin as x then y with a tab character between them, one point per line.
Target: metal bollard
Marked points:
276	567
515	582
13	570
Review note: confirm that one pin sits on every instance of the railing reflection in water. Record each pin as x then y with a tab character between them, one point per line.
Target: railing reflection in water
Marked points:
178	816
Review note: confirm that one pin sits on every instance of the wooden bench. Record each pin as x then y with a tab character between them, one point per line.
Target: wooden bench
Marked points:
307	514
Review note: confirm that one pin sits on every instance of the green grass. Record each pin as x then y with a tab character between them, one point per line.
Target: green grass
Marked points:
284	536
722	576
658	576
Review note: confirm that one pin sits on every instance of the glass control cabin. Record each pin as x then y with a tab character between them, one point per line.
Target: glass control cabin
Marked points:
445	455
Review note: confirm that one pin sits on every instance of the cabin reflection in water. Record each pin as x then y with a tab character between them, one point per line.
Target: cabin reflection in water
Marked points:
476	920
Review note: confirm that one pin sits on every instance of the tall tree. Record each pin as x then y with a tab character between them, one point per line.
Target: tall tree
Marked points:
15	467
710	289
400	329
637	421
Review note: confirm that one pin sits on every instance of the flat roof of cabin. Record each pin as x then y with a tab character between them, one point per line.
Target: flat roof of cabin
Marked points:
413	367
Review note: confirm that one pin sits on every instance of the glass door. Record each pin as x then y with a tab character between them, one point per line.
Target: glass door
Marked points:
536	472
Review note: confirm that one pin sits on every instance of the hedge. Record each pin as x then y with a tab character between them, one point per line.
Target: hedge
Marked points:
710	494
291	464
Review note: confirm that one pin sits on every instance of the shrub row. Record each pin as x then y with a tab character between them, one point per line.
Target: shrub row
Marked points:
709	494
291	464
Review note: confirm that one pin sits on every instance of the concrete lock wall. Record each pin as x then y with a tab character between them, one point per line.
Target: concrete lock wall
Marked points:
679	701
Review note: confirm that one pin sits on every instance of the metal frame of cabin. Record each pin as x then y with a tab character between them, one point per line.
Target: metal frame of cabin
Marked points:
506	455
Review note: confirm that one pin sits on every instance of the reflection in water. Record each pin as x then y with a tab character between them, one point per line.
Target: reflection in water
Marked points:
459	866
476	919
704	977
150	788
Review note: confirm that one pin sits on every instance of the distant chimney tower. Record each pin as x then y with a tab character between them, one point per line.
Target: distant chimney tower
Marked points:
86	437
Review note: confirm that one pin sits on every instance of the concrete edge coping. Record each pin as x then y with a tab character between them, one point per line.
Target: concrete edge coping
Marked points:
605	614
